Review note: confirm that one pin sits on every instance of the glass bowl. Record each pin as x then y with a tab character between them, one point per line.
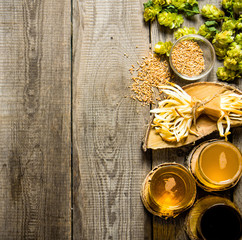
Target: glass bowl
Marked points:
208	57
168	190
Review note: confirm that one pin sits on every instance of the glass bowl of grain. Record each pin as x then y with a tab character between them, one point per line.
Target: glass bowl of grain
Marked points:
192	57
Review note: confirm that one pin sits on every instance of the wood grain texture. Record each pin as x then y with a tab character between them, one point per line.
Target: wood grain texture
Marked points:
109	166
36	132
35	174
237	140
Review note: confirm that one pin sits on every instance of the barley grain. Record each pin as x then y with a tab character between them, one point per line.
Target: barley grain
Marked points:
187	58
152	71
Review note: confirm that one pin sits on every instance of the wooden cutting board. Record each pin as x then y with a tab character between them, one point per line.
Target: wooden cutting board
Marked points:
205	125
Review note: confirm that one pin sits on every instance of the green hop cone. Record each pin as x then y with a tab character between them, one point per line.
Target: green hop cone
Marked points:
178	3
237	6
225	74
227	4
221	43
184	31
220	52
235	51
171	20
229	24
238	39
151	12
212	12
168	2
206	32
239	24
240	68
230	63
163	48
223	39
159	2
191	2
181	3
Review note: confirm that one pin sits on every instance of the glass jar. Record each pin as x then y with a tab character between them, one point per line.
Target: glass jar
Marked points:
216	165
168	190
214	218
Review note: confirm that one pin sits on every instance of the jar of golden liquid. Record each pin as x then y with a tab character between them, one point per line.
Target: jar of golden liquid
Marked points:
168	190
216	165
214	218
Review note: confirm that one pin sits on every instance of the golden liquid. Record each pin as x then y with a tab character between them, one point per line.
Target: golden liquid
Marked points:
220	161
168	189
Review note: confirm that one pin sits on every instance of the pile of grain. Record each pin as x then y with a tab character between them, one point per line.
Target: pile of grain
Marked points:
187	58
151	72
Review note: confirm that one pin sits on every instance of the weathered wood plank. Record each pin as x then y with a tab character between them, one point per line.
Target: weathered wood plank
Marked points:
109	166
35	156
237	140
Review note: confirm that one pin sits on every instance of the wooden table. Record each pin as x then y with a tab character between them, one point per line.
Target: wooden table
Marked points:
71	163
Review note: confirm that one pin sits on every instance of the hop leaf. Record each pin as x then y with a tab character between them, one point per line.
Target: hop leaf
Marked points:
206	32
171	9
208	29
190	10
171	20
212	12
163	48
184	31
148	4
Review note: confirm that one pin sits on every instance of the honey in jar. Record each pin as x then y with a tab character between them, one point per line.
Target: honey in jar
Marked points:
168	190
217	165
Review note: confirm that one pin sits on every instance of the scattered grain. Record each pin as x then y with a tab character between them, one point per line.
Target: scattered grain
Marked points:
151	72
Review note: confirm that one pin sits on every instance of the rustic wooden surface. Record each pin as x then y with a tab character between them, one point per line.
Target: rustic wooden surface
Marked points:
108	127
35	107
71	162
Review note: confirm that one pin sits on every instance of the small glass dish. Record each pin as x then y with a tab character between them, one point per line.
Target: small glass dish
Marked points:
168	190
208	57
216	165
